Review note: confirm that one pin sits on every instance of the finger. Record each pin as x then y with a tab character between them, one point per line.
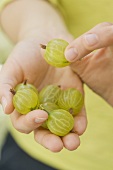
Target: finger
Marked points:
8	79
16	69
71	141
48	140
98	37
80	122
29	122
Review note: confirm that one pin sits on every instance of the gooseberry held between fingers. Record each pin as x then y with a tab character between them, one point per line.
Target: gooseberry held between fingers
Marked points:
54	52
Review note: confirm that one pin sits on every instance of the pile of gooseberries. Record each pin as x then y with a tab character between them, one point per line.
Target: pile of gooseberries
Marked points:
61	105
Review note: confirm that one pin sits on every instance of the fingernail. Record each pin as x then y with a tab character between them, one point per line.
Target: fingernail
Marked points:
91	39
71	54
40	120
4	103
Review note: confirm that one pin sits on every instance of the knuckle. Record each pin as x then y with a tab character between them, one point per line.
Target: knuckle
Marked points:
86	47
106	23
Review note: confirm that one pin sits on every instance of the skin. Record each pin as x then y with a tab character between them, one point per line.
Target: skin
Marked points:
26	62
94	66
27	33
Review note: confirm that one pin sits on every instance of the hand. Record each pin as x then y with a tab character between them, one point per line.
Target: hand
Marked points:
26	62
95	68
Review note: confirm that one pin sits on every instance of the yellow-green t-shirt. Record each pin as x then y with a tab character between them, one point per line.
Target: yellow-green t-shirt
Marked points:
96	149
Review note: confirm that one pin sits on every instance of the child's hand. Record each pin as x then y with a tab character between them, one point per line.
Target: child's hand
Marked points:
94	68
26	62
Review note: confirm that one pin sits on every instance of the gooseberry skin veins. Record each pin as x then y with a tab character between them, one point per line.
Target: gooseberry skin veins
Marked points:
71	100
54	53
27	85
60	122
48	107
49	93
25	100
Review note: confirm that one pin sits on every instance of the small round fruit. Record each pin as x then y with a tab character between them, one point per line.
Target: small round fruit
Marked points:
49	93
71	100
48	107
25	100
26	85
54	53
60	122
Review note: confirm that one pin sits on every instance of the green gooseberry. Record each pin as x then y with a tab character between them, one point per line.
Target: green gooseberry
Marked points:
49	93
25	100
60	122
26	85
54	53
48	107
71	100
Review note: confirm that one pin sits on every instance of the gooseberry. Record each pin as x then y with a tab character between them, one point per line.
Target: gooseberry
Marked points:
48	107
26	85
54	53
60	122
25	100
49	93
71	100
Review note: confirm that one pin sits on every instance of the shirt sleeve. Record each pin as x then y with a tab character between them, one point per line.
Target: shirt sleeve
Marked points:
3	3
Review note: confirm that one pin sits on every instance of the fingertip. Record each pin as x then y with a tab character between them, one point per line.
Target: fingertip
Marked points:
48	140
80	125
37	116
7	105
41	113
53	143
71	54
71	141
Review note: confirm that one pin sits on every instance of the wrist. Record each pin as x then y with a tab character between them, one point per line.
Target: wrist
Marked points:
44	35
34	19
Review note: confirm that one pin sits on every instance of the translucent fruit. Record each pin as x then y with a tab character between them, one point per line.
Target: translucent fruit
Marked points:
71	100
25	100
49	93
26	85
54	53
48	107
60	122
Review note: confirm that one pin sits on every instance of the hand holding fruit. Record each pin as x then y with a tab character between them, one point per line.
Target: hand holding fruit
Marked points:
95	68
26	62
60	105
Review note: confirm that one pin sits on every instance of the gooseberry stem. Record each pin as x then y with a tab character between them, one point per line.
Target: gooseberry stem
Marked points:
25	82
71	111
42	108
13	91
43	46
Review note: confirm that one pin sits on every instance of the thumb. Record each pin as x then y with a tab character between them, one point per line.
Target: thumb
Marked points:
98	37
8	80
